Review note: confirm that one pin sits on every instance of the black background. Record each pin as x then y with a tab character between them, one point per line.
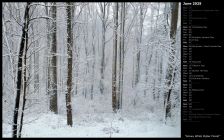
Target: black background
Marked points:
213	58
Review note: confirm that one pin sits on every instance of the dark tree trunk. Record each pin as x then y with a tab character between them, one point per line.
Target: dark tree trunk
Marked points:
139	42
103	12
114	65
121	51
52	72
69	51
24	87
21	60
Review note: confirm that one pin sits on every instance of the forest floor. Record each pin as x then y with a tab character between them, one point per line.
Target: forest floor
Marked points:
96	125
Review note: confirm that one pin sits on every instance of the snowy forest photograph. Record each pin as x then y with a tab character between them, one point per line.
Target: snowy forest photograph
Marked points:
100	69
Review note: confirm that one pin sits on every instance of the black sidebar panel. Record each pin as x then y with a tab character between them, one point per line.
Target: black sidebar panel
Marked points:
202	69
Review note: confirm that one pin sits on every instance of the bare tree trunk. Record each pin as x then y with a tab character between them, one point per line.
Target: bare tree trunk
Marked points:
121	50
103	13
75	52
48	44
24	86
155	77
69	51
85	38
114	65
36	71
21	67
166	16
148	58
159	63
93	52
170	72
35	60
139	42
52	71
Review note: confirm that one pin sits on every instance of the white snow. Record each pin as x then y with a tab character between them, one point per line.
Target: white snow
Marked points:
100	125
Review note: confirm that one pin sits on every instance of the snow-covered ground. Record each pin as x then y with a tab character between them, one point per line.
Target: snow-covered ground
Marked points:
96	125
